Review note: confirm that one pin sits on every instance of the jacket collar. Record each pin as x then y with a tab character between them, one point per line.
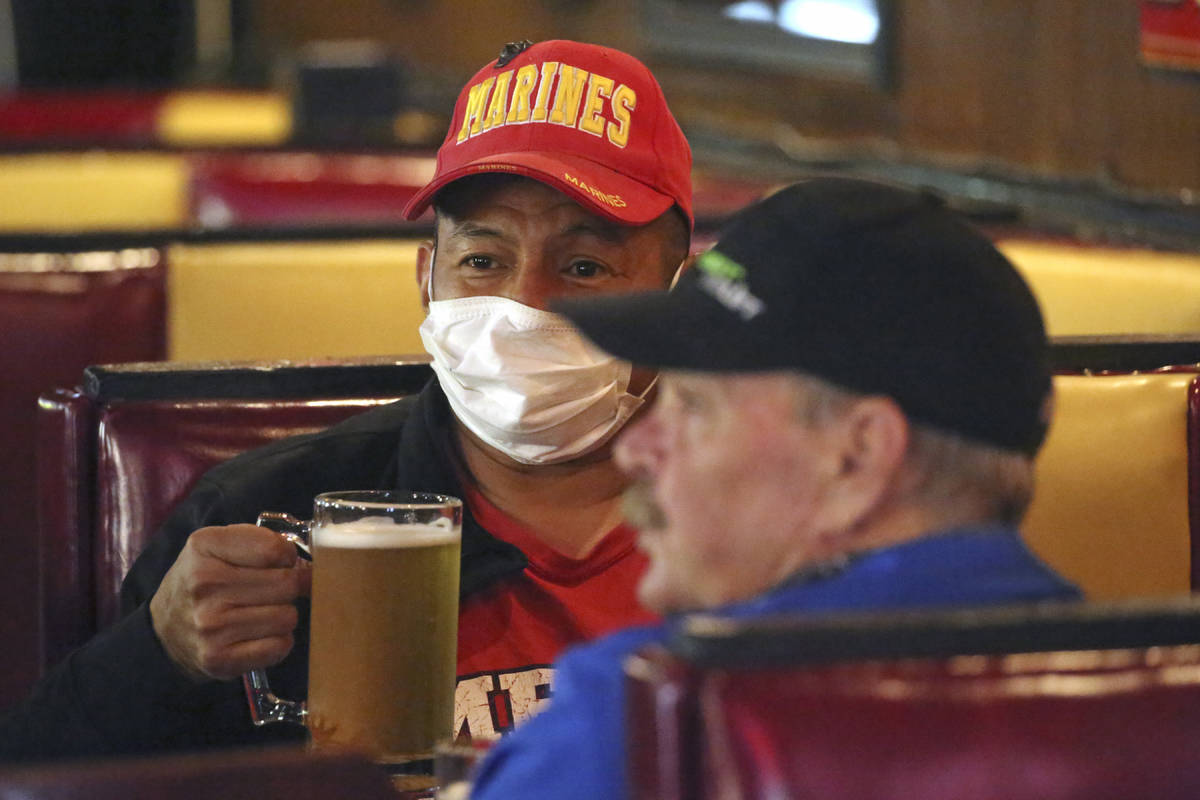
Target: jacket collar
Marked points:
427	460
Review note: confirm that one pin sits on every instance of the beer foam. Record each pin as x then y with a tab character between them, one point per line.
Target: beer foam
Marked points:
378	532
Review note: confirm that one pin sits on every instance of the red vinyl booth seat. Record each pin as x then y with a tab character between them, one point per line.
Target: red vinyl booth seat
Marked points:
291	188
117	455
88	117
59	311
979	710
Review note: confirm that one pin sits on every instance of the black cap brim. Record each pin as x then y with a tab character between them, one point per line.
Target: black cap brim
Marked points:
681	329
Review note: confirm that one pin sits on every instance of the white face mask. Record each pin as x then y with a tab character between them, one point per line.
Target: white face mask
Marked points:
524	380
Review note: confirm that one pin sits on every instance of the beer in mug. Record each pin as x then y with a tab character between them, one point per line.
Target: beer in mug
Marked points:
383	641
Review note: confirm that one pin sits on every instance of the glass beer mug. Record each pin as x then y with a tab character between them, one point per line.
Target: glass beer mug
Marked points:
384	627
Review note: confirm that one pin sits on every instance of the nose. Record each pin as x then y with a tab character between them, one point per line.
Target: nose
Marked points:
639	451
531	282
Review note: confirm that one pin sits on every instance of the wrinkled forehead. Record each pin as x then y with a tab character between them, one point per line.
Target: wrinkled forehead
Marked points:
502	208
733	387
783	395
482	196
465	196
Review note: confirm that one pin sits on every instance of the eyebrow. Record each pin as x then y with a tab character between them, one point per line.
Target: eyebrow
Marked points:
473	230
601	229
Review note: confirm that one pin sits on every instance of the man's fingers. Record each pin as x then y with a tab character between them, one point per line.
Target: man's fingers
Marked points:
244	546
231	587
244	656
233	640
243	625
224	625
227	585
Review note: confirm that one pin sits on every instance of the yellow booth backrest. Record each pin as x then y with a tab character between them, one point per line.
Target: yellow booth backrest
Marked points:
222	118
70	192
1111	504
1102	290
292	300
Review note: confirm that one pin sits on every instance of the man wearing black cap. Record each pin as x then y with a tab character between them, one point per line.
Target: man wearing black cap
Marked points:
854	385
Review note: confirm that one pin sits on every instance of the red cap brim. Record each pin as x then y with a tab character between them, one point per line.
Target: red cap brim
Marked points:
592	185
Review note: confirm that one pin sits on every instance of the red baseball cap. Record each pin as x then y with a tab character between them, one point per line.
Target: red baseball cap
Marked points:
587	120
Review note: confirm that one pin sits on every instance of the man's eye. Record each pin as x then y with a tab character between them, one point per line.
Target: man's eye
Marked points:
479	262
585	269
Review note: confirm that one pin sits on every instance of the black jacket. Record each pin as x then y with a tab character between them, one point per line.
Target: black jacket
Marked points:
120	694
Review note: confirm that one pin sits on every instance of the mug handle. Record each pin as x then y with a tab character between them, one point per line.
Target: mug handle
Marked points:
265	706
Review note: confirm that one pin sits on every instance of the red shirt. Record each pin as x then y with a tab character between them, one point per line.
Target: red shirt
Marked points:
510	633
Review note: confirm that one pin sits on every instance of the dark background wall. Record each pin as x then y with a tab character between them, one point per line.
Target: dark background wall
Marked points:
1044	88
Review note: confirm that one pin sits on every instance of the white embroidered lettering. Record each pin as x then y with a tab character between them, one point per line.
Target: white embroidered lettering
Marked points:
734	296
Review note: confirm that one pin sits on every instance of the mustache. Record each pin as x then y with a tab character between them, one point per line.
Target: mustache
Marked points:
641	509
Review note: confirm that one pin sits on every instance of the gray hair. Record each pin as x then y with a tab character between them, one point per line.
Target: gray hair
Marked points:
945	470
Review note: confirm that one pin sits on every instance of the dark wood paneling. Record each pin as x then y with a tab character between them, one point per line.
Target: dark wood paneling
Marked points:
1044	88
1050	86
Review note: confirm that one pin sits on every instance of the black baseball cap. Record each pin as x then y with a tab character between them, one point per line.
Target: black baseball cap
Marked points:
875	288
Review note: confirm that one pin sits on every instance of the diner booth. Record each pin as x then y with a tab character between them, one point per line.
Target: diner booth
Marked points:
191	270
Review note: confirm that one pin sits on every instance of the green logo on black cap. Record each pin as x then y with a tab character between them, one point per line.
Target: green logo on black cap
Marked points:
725	280
721	265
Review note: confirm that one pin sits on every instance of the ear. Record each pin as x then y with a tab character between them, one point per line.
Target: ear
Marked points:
425	254
684	266
871	445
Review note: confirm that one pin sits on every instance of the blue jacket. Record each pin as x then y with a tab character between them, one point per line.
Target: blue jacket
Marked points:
576	748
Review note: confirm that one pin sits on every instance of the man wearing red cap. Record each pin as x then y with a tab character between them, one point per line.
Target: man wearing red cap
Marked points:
563	174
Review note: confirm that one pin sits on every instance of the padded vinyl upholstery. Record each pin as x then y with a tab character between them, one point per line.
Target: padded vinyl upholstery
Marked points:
58	313
224	118
1111	508
93	191
1096	724
1100	290
291	188
293	300
149	454
89	117
111	470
